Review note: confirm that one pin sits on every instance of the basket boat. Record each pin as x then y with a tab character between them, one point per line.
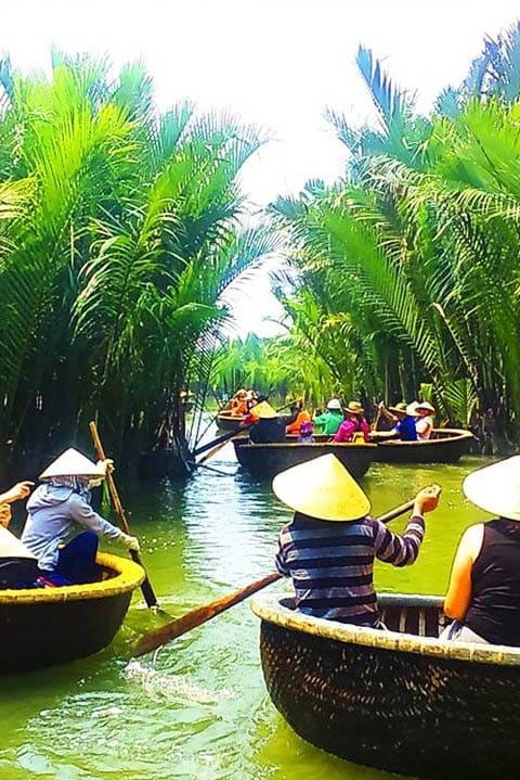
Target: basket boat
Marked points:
400	700
41	627
229	422
266	460
446	445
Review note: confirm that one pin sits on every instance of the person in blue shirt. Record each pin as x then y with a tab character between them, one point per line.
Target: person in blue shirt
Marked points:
403	417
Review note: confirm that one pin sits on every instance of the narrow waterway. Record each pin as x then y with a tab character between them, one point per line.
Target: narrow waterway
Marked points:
199	709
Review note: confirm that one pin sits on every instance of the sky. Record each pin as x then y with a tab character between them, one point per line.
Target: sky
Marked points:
274	63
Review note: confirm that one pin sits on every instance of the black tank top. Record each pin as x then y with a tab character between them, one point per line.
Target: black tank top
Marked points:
494	611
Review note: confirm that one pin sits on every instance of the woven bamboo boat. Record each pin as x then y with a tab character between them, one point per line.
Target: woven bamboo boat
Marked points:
266	460
447	445
41	627
401	700
228	422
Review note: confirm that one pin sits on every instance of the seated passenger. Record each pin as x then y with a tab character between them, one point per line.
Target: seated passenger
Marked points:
483	596
299	415
355	423
268	427
57	510
305	436
330	420
330	546
403	416
239	404
18	566
424	424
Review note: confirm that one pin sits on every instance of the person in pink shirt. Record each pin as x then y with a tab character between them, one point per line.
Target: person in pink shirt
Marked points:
355	423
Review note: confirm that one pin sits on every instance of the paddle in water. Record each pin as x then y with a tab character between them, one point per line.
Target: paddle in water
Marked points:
175	628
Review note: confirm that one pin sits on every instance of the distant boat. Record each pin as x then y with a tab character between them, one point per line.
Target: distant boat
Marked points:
229	422
266	460
400	700
45	626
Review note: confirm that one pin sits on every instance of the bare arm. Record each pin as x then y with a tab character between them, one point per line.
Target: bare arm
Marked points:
458	597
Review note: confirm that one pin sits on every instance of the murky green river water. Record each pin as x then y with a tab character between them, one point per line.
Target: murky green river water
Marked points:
199	709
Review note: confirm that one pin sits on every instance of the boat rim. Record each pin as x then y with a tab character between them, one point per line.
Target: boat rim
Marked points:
459	435
129	576
268	607
307	445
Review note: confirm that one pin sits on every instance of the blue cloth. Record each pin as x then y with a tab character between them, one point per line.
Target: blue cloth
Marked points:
54	514
406	429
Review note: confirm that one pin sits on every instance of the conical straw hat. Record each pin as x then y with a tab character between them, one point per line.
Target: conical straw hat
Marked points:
322	488
496	488
264	411
72	463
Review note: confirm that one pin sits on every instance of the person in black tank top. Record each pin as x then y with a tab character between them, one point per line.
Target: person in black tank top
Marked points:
484	592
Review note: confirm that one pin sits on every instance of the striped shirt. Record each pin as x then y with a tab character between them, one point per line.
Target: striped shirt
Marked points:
331	564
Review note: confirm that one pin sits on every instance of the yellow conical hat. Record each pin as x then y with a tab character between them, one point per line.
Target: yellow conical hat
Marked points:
322	488
496	488
72	463
263	411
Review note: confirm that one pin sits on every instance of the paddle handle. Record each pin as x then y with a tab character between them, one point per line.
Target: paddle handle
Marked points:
175	628
146	587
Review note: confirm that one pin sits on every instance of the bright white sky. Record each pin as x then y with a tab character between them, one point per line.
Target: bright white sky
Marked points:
275	63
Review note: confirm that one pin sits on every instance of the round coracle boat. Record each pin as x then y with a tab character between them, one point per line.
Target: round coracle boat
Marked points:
41	627
446	445
266	460
401	700
229	422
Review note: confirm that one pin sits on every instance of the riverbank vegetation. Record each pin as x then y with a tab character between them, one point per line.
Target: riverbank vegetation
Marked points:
408	268
120	230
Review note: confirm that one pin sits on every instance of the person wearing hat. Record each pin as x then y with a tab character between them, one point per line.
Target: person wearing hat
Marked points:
299	415
403	416
483	595
355	423
18	566
239	405
330	420
57	510
330	546
268	427
424	423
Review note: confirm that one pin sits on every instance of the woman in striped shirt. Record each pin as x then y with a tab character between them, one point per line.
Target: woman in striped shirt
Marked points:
330	546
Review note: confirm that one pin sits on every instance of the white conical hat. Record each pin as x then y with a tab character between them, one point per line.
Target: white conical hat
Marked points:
322	488
72	463
496	488
11	546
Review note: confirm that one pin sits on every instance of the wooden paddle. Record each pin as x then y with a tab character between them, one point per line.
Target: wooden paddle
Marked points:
146	587
175	628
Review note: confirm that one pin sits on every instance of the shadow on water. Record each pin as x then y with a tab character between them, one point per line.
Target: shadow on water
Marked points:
198	708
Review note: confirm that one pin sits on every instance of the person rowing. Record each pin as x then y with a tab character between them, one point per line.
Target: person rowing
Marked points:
267	426
403	418
483	597
329	547
57	510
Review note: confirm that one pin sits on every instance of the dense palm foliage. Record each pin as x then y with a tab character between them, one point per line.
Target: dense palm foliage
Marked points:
119	233
410	265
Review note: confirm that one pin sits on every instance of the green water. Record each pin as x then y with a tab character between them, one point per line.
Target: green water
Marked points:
199	709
